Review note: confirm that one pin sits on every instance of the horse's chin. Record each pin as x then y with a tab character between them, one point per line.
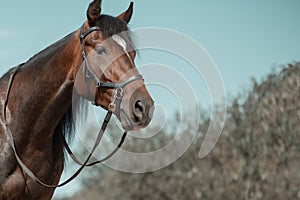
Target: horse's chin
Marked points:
132	127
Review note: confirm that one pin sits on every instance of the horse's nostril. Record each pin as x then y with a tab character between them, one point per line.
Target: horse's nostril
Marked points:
138	110
139	105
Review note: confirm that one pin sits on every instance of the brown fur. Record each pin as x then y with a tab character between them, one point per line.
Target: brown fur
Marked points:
40	105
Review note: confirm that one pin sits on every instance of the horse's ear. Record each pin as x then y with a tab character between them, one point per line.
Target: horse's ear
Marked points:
93	12
126	16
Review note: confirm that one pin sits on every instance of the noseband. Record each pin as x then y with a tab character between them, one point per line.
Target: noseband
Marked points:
115	105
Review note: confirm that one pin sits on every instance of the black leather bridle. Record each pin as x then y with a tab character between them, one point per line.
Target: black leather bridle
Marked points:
115	106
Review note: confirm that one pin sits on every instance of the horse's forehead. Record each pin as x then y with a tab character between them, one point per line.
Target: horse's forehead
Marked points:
120	41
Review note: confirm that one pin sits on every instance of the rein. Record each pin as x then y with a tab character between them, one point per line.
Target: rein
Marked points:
115	106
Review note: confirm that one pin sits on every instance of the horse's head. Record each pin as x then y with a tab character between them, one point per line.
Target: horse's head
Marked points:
109	77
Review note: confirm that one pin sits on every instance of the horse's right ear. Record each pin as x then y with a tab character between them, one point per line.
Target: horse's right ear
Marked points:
93	12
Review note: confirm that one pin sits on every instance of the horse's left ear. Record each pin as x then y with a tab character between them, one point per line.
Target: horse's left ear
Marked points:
94	12
126	16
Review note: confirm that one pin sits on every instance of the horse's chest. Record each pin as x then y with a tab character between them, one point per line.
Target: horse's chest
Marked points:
5	150
7	160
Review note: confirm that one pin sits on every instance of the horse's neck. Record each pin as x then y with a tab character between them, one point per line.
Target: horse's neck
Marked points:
42	90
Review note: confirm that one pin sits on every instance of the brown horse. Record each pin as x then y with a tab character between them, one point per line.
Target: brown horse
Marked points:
39	99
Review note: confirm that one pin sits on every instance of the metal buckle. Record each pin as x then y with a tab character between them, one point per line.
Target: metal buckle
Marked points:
119	92
112	107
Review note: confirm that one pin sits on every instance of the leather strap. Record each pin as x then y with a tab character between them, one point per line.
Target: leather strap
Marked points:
76	160
117	102
85	163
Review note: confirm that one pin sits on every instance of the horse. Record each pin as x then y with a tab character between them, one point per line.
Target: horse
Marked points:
96	62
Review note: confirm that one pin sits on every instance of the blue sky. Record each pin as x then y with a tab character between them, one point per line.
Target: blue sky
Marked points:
244	38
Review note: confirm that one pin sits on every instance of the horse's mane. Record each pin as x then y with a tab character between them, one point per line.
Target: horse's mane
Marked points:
66	127
110	26
51	50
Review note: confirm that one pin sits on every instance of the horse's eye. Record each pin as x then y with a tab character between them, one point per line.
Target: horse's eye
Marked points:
100	50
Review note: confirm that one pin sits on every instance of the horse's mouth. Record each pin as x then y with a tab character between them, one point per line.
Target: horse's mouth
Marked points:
133	124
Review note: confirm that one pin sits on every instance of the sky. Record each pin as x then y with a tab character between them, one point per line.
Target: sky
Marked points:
244	38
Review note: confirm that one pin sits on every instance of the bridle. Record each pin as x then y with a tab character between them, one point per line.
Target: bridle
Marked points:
115	106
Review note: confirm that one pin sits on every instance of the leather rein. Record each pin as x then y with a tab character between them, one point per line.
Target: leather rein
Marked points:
114	107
